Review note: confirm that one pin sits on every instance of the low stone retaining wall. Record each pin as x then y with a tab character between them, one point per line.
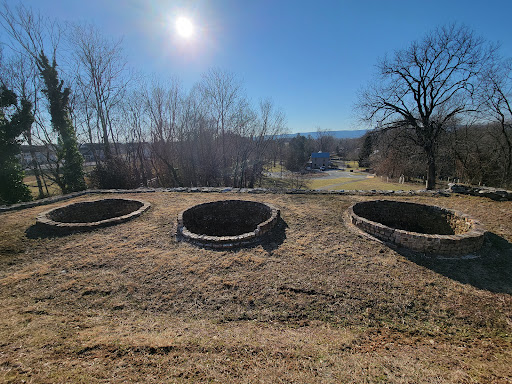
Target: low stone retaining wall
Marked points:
419	227
89	215
226	224
55	199
491	193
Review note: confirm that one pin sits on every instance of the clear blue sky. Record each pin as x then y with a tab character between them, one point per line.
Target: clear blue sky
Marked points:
310	57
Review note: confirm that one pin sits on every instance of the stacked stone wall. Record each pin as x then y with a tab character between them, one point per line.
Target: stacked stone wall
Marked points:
491	193
466	234
89	215
218	224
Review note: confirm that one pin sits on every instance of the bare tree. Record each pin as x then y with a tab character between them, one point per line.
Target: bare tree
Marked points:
163	106
101	77
29	32
325	141
242	142
393	154
424	87
498	102
136	136
31	36
222	93
272	122
199	157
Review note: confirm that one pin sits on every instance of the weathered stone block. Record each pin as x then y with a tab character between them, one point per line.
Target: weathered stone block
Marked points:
88	215
227	223
419	227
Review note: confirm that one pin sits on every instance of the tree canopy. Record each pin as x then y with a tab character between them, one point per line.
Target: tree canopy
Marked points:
12	189
426	86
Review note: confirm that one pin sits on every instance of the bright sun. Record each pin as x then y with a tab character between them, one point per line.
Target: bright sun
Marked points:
184	27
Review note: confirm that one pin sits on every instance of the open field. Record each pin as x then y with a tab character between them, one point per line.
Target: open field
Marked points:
53	188
378	185
320	182
317	302
277	168
365	184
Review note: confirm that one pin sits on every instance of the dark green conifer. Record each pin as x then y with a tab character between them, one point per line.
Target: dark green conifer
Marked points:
12	189
366	151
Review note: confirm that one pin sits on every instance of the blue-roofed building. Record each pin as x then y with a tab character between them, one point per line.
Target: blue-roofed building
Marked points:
320	159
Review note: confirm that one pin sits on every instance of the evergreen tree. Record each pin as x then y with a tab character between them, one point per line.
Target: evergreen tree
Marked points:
12	189
72	169
366	151
297	154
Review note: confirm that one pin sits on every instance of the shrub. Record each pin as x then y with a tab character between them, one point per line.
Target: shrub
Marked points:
12	189
114	173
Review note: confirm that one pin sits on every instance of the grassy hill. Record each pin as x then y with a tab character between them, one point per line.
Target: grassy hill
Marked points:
316	302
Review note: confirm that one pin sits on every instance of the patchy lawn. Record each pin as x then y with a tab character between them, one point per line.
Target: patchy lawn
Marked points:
358	184
315	303
51	188
317	183
378	185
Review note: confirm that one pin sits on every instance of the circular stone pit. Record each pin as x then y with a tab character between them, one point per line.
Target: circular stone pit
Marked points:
419	227
227	223
88	215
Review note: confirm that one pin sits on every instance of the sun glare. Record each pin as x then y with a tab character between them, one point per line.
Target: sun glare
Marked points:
184	27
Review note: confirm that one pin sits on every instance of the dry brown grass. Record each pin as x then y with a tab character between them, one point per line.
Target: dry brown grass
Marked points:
53	188
316	303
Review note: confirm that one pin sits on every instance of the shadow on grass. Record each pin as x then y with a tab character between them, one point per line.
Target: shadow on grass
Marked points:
272	240
36	232
491	269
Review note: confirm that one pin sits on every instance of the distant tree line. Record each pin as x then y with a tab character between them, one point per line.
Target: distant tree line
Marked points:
297	150
472	154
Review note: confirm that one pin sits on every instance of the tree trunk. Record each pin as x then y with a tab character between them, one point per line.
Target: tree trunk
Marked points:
508	166
35	167
140	155
431	171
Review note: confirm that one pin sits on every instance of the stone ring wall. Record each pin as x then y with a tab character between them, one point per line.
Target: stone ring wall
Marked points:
226	224
89	215
421	228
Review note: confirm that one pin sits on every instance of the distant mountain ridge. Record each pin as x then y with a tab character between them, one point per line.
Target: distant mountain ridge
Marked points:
353	134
